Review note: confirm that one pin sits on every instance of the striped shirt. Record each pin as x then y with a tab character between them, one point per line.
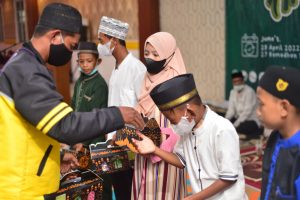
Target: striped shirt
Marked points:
159	181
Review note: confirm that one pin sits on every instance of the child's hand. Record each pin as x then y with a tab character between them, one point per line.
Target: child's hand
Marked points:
193	197
144	146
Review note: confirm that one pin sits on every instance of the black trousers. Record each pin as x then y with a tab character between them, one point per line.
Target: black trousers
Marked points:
122	182
249	128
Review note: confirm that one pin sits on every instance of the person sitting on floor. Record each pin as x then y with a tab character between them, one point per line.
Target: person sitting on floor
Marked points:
242	105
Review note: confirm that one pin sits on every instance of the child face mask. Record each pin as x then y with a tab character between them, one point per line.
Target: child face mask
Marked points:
184	126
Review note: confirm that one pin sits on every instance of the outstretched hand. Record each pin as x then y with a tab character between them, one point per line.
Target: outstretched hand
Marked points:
144	146
131	116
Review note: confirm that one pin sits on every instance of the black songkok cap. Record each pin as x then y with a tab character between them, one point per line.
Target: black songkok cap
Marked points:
174	92
87	47
236	74
283	83
61	16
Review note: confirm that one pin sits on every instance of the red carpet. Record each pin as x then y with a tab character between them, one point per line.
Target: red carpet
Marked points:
252	166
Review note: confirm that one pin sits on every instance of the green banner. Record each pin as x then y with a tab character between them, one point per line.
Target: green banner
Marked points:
260	33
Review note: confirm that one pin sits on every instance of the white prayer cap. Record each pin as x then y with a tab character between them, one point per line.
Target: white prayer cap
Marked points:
113	27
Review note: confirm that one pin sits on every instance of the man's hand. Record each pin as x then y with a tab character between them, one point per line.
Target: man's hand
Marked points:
68	162
144	146
131	116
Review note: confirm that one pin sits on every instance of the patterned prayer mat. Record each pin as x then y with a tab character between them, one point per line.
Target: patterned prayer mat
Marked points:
251	158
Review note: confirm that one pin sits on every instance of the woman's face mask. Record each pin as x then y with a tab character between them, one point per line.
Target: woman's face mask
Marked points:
154	67
184	127
104	49
59	54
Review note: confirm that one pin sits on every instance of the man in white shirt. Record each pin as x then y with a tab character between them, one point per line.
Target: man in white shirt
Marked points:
208	145
124	83
242	106
126	78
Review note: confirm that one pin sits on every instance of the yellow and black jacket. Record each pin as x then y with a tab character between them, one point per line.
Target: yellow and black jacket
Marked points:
33	120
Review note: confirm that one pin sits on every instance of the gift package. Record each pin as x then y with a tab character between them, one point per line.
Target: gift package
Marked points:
79	185
152	130
86	183
106	160
83	156
101	158
124	137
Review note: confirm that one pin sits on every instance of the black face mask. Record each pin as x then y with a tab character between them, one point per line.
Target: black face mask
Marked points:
154	67
59	55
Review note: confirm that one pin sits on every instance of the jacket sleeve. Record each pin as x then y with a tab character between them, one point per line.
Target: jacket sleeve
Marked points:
33	91
81	126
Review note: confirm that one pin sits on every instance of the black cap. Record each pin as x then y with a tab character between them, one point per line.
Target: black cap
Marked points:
61	16
87	47
283	83
174	92
237	74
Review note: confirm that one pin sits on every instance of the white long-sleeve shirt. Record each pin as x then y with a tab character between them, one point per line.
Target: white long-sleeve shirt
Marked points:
125	83
211	153
242	106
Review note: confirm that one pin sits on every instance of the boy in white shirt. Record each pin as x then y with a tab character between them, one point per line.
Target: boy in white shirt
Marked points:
209	144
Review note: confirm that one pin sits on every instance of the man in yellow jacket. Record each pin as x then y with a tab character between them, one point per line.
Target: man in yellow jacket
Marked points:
33	116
